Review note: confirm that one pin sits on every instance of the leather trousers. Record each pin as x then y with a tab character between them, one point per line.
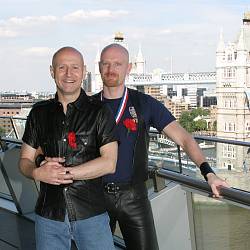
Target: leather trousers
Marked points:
131	208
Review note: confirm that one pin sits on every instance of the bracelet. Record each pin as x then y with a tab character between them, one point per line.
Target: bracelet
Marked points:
205	169
39	159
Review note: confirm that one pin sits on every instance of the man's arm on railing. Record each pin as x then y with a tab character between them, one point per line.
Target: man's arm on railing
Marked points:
182	138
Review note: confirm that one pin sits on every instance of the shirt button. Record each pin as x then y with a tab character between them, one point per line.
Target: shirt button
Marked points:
65	189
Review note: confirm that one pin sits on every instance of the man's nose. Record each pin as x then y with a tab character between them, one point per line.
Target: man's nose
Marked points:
111	68
68	72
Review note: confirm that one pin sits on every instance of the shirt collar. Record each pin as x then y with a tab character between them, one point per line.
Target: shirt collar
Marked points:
79	102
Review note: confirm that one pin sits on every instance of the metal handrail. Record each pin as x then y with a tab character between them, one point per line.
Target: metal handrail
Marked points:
13	117
216	139
232	194
213	139
11	140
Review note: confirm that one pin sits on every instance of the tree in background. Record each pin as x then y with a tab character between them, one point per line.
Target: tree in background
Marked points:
200	125
187	120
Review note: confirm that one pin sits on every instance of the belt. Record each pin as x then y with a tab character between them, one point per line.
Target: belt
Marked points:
113	188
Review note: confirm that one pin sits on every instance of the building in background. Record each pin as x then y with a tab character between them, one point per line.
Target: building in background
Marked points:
233	88
176	106
87	83
13	105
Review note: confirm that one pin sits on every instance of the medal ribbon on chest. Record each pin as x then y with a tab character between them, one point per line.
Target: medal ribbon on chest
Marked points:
122	105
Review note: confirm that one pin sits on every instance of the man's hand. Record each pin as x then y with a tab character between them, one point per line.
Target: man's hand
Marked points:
105	164
52	171
215	183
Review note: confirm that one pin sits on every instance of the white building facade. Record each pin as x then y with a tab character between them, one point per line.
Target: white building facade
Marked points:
232	88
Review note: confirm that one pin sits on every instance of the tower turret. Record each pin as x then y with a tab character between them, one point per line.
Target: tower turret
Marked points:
140	62
220	52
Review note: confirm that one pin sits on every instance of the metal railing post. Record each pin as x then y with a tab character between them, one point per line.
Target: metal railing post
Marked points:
14	127
179	158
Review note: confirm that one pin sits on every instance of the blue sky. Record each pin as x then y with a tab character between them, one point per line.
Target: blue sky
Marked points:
188	31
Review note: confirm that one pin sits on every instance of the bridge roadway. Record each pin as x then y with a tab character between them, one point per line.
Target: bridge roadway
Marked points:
208	78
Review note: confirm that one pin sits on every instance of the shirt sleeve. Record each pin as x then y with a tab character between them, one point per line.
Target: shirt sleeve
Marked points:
160	116
30	134
106	127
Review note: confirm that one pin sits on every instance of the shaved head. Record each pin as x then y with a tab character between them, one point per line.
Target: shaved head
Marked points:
115	46
63	49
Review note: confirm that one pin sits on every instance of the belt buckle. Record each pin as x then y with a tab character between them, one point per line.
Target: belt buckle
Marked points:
111	188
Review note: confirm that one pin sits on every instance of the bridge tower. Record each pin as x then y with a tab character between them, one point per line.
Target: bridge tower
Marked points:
232	88
139	62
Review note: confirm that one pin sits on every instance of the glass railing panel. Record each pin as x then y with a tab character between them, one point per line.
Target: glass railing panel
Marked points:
12	127
19	126
219	225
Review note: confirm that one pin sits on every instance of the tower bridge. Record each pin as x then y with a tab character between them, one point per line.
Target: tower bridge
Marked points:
208	78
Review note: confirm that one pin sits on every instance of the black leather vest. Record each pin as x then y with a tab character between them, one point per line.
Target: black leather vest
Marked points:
140	159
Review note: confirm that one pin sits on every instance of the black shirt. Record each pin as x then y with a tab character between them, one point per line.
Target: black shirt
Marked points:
92	125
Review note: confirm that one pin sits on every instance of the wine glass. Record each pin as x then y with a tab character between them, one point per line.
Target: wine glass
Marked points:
62	148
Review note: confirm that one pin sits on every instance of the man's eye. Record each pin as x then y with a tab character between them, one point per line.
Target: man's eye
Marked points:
117	64
61	67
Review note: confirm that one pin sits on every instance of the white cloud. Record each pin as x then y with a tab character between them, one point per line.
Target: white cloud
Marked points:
30	20
38	51
21	26
15	26
7	33
81	15
165	31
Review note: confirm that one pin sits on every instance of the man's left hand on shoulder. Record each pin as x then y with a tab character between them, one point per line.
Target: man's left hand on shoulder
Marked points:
215	183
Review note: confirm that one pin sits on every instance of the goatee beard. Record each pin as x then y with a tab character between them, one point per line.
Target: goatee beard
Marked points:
111	83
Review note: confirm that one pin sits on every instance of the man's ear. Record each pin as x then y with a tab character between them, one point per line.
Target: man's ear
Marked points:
52	72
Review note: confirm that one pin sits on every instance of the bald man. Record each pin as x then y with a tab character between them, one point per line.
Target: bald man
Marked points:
125	190
71	200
